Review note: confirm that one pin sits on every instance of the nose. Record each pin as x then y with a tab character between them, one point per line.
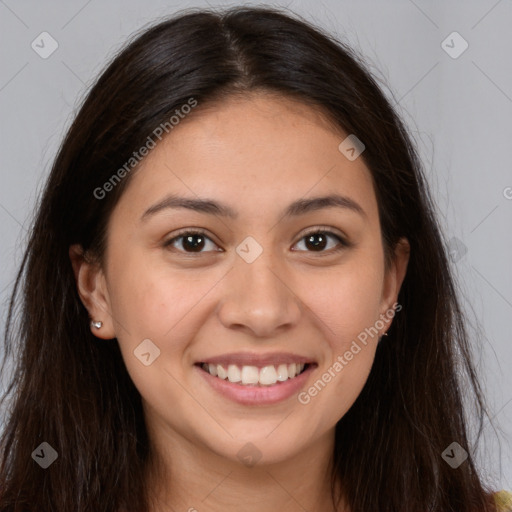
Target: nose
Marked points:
259	298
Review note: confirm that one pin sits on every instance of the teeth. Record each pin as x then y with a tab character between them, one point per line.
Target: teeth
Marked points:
234	374
251	375
268	376
221	373
282	372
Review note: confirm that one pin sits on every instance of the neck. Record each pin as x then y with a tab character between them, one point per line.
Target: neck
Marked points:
192	478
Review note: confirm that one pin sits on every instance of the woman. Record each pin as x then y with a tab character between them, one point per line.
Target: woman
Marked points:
236	295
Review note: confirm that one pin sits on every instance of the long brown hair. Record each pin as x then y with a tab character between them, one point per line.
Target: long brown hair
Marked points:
72	391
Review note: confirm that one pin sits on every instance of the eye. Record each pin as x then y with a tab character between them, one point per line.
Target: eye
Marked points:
195	241
318	241
192	241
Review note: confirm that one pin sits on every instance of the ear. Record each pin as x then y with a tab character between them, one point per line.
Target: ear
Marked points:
393	280
93	292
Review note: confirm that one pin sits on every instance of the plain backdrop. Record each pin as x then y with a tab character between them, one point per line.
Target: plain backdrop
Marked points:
447	67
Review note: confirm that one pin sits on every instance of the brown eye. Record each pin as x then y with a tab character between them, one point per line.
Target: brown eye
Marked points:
318	241
190	242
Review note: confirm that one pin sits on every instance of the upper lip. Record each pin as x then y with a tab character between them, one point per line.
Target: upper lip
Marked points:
259	360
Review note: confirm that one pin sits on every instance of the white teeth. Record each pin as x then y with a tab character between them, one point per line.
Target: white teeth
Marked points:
268	375
221	373
282	372
234	374
251	375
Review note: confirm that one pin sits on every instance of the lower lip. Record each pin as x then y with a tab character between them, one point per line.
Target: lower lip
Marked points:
257	395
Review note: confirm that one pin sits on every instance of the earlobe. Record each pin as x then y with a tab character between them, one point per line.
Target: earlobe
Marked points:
91	287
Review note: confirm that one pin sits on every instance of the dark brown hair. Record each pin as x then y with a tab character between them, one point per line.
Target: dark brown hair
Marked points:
73	391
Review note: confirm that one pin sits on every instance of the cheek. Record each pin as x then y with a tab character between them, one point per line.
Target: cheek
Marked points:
339	381
347	304
336	389
152	301
345	300
165	306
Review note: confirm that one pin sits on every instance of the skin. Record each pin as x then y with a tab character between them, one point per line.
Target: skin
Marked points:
257	154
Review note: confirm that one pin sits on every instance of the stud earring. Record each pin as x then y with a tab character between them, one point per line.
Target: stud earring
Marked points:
382	336
97	324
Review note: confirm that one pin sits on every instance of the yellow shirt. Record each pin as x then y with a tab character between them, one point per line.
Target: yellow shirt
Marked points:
503	500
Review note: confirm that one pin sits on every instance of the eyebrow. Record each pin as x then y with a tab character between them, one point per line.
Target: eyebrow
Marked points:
211	207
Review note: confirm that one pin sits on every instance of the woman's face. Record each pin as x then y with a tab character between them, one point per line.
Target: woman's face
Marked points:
257	291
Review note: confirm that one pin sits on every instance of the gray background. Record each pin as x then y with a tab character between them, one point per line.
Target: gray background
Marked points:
458	110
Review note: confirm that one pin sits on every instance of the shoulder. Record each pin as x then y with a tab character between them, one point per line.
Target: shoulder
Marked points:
503	501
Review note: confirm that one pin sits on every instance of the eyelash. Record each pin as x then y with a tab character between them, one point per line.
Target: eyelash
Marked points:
316	231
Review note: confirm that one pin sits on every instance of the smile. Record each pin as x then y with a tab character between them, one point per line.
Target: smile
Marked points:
252	385
254	376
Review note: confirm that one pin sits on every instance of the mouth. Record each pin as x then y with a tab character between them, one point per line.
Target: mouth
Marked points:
256	376
252	380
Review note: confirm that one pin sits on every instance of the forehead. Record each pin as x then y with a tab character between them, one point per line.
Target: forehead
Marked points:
253	152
